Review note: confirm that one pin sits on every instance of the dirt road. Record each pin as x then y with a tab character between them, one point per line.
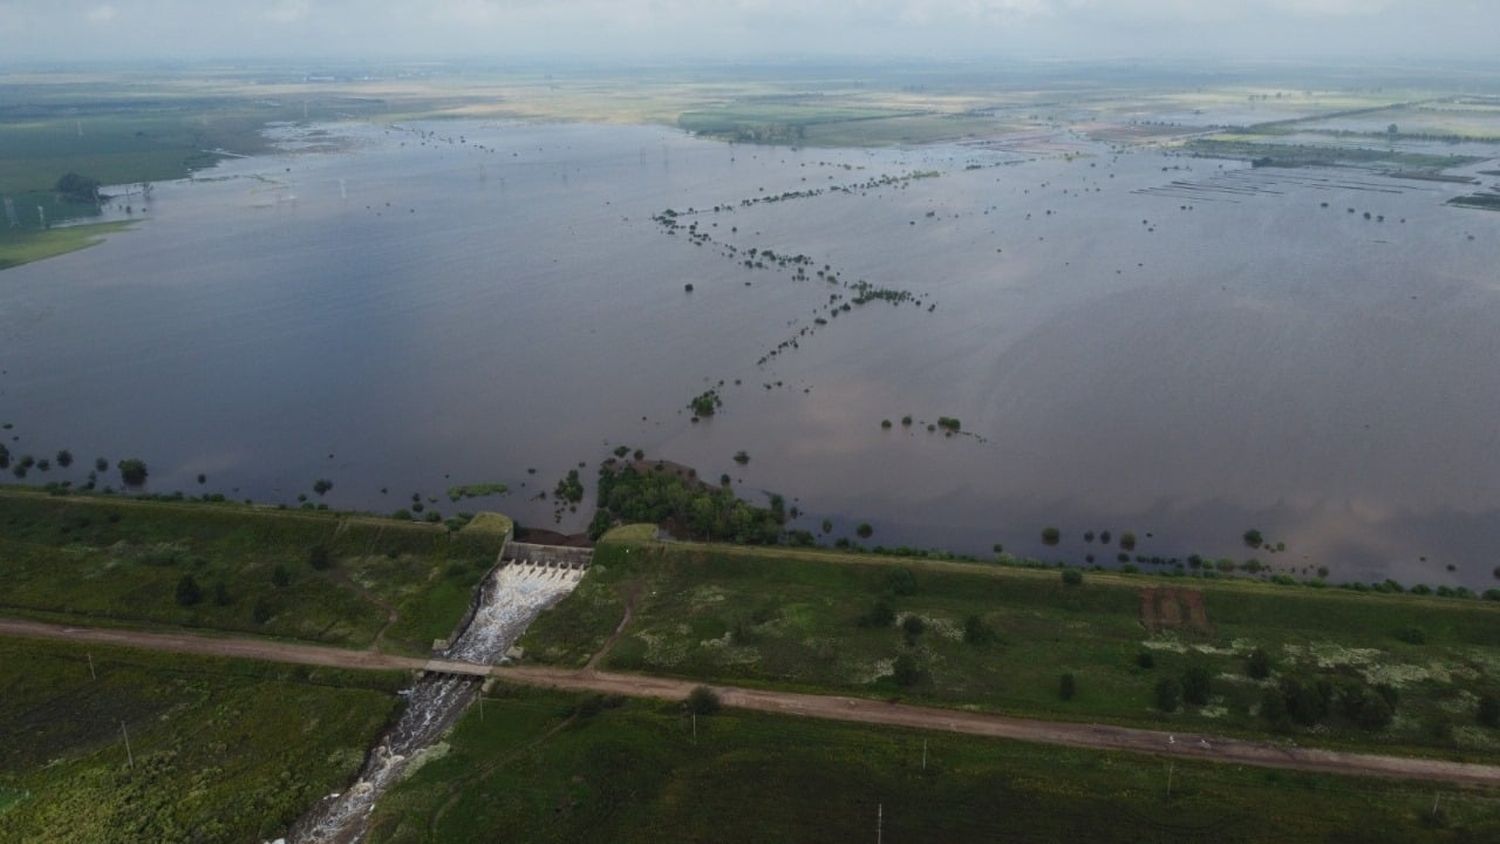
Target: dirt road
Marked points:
829	707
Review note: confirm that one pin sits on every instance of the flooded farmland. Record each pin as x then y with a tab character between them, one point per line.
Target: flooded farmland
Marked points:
1184	348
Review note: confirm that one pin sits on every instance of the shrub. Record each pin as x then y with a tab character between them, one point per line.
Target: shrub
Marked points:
1258	666
905	670
322	485
1066	687
1127	541
1051	535
65	458
221	594
741	457
280	577
1253	538
703	701
1412	635
402	515
906	423
886	424
1072	577
976	632
949	424
132	471
881	615
318	557
1146	660
101	465
1196	685
188	591
1168	694
864	530
913	626
1487	712
706	404
901	581
261	612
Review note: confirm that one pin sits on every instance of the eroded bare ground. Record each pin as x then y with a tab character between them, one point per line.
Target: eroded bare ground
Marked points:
830	707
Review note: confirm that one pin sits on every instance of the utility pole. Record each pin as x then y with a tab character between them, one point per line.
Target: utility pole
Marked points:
879	821
924	754
129	757
92	675
695	728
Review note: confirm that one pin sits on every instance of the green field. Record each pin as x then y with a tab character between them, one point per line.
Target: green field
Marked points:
103	560
541	767
803	620
223	750
23	247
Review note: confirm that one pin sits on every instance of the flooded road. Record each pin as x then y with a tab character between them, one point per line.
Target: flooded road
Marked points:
1182	348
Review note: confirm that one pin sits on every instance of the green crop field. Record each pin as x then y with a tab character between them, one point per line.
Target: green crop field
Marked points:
545	767
223	750
326	577
812	620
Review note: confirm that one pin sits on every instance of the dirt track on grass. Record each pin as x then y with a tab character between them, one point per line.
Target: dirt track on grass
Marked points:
828	707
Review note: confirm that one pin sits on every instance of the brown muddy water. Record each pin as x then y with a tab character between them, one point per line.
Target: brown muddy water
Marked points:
1182	348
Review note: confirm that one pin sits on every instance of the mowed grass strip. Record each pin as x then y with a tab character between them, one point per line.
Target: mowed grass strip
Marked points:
999	639
324	577
539	766
223	750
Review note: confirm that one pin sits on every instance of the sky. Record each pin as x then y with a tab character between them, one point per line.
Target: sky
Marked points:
637	30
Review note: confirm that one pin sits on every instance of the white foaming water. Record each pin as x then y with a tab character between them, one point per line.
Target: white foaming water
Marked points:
510	601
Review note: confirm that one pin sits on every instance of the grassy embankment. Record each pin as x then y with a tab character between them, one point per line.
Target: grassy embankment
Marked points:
224	750
808	620
546	767
117	561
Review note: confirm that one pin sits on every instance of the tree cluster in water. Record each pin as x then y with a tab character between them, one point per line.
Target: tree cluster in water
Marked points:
656	493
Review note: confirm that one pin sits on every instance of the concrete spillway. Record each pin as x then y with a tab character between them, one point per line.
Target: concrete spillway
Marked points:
531	579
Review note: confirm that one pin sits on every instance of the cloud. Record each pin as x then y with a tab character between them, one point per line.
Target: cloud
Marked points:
101	14
288	11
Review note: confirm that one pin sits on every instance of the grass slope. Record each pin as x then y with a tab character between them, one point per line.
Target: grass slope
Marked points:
223	750
783	618
538	767
119	561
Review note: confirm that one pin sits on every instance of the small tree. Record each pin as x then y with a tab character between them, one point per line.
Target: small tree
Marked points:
188	591
1066	687
864	530
132	471
65	458
1127	541
1253	538
703	701
221	594
1051	535
1072	577
1168	694
280	577
1145	659
322	485
261	612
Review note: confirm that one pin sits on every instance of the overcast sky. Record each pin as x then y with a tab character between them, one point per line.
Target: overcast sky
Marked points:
650	29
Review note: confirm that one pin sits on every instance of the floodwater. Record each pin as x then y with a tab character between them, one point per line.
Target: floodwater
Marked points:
1182	348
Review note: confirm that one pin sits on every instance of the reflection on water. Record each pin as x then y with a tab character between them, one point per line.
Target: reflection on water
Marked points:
1185	352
